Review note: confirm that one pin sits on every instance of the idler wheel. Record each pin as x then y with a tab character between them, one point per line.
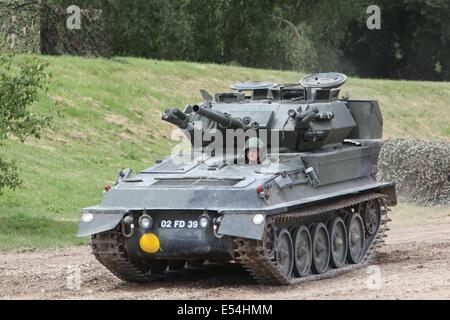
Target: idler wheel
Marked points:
372	217
356	238
338	239
320	249
302	252
284	253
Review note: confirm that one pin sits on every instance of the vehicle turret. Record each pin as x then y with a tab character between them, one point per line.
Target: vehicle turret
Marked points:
306	116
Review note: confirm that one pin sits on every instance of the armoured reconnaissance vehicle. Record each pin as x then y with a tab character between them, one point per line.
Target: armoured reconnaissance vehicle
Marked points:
293	197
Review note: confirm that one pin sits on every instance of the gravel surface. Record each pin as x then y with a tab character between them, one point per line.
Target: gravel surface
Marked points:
415	264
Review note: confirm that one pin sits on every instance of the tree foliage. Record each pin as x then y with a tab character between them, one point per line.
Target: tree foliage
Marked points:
20	84
414	42
282	34
307	35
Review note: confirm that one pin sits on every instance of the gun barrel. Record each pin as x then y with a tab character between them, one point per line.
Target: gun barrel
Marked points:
176	117
225	121
179	114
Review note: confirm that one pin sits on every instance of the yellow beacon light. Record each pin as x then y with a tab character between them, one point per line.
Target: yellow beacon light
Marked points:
149	243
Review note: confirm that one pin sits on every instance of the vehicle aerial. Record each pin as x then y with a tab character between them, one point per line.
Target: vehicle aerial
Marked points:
295	200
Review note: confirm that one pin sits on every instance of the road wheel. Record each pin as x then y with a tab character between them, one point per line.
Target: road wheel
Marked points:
338	240
356	238
372	217
284	253
321	249
303	252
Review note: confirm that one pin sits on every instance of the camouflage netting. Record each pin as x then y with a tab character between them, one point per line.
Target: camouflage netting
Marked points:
90	40
421	170
20	26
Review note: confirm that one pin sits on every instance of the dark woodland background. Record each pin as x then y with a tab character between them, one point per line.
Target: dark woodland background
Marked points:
307	35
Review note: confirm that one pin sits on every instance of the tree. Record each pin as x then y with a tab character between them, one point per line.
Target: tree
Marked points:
20	84
414	42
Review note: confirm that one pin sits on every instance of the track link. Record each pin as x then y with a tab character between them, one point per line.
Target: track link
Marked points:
258	260
108	248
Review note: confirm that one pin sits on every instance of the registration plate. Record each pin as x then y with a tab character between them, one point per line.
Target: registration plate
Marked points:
179	224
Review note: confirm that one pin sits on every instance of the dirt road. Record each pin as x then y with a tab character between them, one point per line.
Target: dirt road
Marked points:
415	264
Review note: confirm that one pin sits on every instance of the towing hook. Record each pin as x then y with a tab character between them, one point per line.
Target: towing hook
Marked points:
128	222
216	225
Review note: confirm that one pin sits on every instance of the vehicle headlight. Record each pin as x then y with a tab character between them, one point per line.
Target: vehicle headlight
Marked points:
204	222
87	217
145	222
259	219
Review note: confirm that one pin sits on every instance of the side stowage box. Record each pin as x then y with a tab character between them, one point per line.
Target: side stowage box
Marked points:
341	165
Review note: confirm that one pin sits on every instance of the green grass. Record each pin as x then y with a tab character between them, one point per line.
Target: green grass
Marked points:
109	118
410	215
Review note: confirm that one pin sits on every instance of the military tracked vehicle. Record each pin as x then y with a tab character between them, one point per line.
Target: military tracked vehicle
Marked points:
296	200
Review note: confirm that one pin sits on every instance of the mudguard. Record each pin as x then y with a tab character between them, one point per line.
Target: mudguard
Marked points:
241	225
102	222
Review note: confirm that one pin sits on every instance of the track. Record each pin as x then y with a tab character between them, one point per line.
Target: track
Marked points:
257	259
109	251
